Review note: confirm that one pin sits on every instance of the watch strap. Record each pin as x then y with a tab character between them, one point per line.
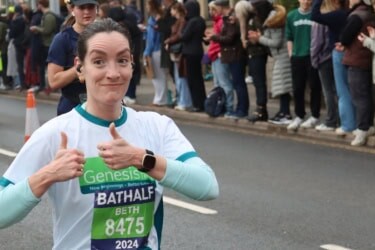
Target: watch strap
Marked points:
144	169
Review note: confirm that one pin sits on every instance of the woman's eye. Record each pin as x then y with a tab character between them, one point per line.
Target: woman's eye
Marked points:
124	61
98	62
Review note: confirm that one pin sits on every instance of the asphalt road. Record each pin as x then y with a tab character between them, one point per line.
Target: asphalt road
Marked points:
275	194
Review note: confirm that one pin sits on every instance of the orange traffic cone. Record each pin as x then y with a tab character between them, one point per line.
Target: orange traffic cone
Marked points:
32	120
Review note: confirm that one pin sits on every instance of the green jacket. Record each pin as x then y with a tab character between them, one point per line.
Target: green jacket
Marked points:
47	28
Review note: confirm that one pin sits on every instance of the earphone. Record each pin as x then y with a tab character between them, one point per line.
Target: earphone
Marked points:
78	68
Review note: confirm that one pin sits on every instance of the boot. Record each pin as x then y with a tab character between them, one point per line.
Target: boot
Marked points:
260	114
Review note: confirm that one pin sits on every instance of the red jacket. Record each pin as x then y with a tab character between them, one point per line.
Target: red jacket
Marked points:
214	47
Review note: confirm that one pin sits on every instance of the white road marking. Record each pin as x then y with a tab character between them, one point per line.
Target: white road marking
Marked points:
188	206
7	152
166	199
334	247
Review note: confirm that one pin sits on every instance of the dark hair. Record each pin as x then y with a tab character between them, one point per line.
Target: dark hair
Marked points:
155	7
44	3
262	9
106	25
105	8
179	7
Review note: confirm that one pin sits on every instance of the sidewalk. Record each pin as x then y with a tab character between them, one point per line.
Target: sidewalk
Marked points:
144	100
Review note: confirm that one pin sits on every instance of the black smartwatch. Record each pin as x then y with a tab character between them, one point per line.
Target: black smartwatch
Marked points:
148	161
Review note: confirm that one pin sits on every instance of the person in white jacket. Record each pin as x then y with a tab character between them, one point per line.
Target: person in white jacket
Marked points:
369	42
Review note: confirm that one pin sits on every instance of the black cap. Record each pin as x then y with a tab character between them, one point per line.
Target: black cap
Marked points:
222	2
83	2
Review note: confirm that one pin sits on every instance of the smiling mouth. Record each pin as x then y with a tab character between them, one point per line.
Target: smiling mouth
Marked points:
112	84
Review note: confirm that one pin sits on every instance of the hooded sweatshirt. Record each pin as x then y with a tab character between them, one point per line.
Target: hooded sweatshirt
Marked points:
193	32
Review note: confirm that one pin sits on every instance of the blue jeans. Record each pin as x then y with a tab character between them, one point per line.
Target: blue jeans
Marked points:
237	70
346	107
221	72
182	87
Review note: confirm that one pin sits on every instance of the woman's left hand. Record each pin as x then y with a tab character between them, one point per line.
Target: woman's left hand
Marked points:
118	153
254	36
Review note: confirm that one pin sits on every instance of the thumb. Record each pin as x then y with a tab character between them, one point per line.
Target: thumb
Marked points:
64	141
113	131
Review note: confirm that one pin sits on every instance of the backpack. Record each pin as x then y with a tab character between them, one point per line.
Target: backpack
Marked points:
59	22
214	105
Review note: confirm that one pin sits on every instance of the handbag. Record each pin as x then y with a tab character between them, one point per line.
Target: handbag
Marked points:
148	67
175	48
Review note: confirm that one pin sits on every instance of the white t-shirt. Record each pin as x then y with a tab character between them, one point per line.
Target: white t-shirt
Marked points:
103	209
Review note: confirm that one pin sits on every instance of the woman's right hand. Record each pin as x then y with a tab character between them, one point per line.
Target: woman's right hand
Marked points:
68	164
371	32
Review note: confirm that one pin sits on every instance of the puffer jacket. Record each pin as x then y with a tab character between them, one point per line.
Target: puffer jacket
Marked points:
274	38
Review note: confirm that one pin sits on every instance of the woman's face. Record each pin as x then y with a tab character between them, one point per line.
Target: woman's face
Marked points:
353	2
173	12
107	68
85	14
213	12
101	14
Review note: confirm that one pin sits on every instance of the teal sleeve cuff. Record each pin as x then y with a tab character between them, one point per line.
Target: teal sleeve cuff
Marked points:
16	201
193	178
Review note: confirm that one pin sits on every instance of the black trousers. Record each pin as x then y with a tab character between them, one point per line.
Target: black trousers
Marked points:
303	73
195	80
360	86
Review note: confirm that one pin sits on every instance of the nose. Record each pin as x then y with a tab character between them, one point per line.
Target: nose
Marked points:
112	72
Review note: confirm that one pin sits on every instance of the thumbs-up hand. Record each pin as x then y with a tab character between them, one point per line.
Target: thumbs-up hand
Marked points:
68	163
118	153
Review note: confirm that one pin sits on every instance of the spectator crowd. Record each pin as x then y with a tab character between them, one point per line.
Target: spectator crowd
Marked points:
325	45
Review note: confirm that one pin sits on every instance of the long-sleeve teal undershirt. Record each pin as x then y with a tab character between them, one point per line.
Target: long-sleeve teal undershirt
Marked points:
193	178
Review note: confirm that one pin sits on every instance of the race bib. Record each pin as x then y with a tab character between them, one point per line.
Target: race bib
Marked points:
123	206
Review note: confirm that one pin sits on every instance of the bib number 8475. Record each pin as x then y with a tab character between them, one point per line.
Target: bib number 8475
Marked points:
125	226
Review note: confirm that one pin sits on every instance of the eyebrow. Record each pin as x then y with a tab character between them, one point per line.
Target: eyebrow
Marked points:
103	52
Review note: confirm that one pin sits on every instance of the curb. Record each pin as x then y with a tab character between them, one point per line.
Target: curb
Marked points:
311	136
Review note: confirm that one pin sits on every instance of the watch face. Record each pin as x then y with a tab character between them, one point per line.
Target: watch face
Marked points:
149	162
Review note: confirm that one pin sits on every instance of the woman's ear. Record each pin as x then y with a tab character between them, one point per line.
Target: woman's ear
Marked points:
78	66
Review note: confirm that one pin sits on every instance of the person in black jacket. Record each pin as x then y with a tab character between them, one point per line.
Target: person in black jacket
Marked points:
192	53
129	21
164	25
19	36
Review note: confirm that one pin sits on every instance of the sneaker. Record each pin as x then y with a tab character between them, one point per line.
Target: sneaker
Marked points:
236	115
370	131
360	138
260	115
322	127
310	123
294	125
281	119
4	87
341	131
208	77
249	80
128	101
229	115
179	107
